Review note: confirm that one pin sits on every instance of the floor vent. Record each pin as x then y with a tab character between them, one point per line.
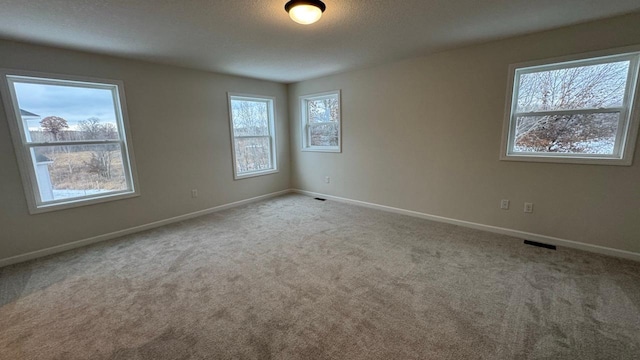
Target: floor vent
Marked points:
320	199
539	244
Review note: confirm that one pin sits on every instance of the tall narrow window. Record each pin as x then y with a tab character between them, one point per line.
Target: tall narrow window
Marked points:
574	111
321	122
71	139
253	135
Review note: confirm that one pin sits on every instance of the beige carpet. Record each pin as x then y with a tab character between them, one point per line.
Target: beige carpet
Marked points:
296	278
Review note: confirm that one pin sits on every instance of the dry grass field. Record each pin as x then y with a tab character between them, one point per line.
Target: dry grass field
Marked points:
78	170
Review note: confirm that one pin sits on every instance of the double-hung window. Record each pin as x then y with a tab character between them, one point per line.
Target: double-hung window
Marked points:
253	135
321	128
71	139
578	111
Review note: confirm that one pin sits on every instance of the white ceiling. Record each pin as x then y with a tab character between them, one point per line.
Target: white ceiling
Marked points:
256	38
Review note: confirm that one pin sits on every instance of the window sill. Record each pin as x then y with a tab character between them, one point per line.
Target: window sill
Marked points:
254	174
328	149
586	160
33	210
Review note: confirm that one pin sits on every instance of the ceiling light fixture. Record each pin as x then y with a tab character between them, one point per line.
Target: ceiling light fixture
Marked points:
305	11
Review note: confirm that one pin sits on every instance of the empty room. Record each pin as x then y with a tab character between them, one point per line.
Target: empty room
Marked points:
305	179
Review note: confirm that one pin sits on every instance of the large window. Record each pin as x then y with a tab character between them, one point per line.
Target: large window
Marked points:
321	122
578	111
253	135
70	138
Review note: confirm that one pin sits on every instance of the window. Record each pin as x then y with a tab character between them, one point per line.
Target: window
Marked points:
578	111
70	138
253	135
321	122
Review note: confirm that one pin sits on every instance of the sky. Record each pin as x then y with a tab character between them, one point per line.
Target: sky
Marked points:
73	104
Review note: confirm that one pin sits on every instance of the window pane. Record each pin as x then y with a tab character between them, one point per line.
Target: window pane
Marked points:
324	110
253	154
578	134
324	134
582	87
250	118
52	113
66	172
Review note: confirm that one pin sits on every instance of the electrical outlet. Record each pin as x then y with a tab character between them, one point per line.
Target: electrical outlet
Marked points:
528	207
327	179
504	204
194	193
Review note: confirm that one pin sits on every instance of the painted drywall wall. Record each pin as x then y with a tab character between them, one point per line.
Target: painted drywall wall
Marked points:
180	136
424	134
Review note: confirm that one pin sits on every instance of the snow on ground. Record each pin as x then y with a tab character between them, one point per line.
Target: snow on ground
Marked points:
597	146
66	194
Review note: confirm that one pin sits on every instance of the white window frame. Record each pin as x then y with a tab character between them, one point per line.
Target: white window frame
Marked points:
629	111
306	126
271	112
23	147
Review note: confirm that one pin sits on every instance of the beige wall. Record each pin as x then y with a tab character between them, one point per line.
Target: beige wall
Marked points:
424	134
180	132
421	134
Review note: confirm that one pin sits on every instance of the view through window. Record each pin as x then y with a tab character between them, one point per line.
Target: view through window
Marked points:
72	135
253	135
573	109
321	121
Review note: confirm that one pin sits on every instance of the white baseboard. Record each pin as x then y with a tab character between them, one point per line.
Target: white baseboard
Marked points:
494	229
112	235
515	233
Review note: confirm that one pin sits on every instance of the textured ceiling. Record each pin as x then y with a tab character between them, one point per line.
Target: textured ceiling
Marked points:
256	38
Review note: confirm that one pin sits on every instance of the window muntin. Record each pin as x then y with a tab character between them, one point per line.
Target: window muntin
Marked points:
574	111
321	122
253	135
70	138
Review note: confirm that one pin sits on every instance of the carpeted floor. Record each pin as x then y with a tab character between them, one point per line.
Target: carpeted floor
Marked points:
296	278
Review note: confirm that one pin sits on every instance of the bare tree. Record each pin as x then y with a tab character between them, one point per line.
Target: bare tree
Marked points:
251	124
323	115
100	163
102	155
90	129
54	125
582	87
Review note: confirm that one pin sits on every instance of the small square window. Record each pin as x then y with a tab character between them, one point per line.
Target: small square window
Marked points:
578	111
321	125
253	135
70	138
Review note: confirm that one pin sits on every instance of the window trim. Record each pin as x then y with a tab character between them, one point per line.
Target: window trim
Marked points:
22	146
271	109
305	126
629	112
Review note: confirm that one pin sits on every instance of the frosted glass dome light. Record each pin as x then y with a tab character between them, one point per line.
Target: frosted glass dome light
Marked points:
305	11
